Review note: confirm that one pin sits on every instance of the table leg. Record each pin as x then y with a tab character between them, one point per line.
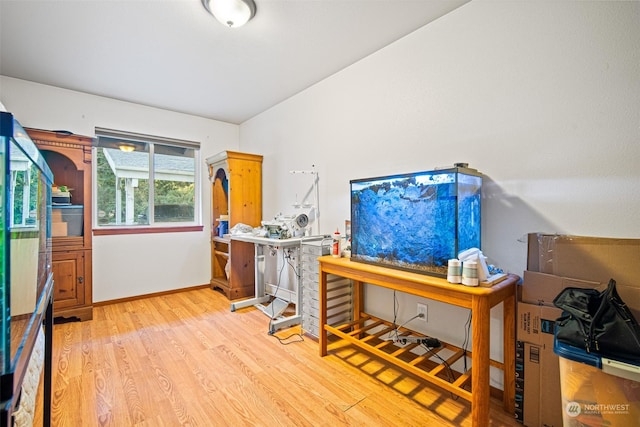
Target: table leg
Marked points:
322	290
260	266
481	341
358	301
509	353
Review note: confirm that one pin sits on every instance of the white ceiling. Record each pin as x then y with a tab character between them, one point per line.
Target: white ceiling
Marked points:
172	54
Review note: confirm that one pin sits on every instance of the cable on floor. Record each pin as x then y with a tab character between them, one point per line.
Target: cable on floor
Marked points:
284	341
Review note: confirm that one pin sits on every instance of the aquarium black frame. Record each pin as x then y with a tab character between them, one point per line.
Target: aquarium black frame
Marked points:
455	169
11	380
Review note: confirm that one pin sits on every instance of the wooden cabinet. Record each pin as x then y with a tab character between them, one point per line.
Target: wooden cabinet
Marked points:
236	196
69	158
68	274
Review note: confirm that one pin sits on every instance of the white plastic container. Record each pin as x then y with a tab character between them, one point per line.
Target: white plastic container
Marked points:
454	272
470	273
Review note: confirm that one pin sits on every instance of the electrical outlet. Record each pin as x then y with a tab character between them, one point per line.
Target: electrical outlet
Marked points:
422	312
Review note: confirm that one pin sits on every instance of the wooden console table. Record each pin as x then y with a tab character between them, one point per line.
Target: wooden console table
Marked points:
479	299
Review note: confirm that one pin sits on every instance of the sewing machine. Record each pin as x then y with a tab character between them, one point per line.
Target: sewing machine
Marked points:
288	226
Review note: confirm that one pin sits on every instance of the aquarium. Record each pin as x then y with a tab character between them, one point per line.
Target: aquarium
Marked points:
26	276
416	221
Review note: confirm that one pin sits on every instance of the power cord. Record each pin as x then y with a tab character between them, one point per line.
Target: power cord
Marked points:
427	342
465	344
282	340
396	306
430	344
450	375
396	328
293	267
272	317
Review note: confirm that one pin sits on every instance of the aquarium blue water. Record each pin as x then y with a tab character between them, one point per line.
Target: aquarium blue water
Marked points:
416	221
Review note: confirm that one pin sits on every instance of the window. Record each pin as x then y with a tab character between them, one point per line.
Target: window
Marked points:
145	181
24	189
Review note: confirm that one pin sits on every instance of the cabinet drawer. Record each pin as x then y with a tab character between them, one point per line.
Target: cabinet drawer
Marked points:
309	285
311	276
311	304
311	325
314	251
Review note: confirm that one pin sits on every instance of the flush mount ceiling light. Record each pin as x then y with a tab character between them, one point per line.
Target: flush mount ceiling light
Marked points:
127	148
232	13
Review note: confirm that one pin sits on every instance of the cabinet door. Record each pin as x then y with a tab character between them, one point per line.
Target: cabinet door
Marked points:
68	279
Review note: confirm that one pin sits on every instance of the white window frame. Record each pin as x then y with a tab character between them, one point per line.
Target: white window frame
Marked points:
153	226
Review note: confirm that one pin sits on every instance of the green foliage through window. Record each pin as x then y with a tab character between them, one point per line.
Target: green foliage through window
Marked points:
153	183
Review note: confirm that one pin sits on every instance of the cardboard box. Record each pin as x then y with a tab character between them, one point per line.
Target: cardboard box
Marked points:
56	215
538	391
541	288
555	262
538	394
594	259
59	229
630	295
536	323
527	384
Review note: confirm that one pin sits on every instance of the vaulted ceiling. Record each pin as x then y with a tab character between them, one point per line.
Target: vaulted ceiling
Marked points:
172	54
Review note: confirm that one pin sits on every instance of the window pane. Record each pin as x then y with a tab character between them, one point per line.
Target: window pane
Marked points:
123	187
23	194
174	184
143	182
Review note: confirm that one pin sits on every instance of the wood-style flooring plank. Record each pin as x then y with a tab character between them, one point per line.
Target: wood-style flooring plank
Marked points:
185	359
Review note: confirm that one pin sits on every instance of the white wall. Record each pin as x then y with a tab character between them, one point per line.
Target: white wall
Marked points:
130	265
542	97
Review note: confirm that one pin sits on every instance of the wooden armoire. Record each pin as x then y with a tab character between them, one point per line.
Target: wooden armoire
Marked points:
236	197
69	158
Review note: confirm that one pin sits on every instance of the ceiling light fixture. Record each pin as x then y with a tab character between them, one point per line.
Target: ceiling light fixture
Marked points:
232	13
126	148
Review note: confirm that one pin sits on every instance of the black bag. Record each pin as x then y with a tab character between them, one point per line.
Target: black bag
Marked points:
598	322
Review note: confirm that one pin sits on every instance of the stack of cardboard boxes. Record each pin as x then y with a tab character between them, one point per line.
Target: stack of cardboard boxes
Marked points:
555	262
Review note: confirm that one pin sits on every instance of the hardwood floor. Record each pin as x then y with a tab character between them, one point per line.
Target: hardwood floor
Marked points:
186	359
